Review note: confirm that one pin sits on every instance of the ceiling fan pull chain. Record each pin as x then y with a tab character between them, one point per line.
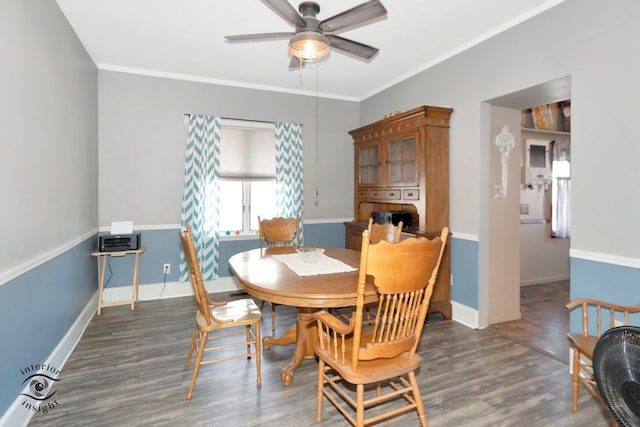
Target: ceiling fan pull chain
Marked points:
301	79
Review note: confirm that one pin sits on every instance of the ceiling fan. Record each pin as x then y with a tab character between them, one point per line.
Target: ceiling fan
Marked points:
313	39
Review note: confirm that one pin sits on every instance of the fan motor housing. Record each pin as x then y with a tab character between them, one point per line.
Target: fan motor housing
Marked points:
309	8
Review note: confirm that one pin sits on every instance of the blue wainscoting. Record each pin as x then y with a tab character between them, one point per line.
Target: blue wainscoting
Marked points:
160	247
464	267
229	248
163	247
613	283
38	308
331	234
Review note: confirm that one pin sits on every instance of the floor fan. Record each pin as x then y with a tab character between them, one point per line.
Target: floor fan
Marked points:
616	366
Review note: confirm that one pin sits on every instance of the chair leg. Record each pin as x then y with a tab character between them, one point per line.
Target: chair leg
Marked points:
273	315
196	366
257	346
191	347
575	380
417	399
320	388
360	405
247	337
273	318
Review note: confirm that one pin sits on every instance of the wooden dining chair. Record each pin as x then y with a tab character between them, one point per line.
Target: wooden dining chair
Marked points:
386	231
597	317
377	232
404	274
212	316
277	232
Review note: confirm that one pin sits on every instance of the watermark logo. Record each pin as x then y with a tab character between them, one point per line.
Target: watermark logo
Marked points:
39	381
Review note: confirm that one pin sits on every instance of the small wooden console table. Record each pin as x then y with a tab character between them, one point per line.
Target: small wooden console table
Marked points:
103	259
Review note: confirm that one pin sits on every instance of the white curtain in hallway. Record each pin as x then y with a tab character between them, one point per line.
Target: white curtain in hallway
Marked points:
561	190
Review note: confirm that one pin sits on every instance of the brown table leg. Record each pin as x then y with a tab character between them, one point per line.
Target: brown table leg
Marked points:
304	334
287	338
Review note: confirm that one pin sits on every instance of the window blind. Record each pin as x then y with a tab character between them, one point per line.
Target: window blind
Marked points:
247	153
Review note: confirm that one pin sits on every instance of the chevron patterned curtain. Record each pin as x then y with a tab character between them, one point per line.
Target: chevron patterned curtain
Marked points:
289	171
201	189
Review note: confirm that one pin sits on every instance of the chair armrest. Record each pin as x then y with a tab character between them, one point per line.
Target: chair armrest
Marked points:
333	322
610	306
217	320
213	303
596	308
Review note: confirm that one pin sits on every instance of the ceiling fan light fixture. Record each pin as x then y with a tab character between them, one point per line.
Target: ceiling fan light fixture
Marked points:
309	46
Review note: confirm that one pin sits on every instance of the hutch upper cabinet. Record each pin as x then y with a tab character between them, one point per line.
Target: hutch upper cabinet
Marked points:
369	164
402	163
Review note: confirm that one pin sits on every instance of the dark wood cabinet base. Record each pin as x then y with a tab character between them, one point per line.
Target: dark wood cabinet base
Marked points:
441	298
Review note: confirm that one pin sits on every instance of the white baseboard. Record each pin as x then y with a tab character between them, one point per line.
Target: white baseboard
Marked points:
466	315
17	416
154	291
471	317
547	279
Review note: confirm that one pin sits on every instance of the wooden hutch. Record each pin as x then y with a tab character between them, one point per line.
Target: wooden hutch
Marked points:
402	163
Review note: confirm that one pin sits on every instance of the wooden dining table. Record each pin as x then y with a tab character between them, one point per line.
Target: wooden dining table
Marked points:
268	279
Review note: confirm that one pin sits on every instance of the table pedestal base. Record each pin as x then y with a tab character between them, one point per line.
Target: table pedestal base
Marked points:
305	334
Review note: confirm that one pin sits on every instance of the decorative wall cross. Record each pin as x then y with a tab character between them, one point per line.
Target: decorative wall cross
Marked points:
505	143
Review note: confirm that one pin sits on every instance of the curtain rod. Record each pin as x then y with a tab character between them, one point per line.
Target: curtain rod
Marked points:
240	120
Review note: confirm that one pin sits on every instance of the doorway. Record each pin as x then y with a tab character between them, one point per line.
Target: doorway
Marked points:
502	292
544	322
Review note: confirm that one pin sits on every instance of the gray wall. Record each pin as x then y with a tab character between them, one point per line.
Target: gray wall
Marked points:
542	258
48	129
48	183
593	43
143	136
142	149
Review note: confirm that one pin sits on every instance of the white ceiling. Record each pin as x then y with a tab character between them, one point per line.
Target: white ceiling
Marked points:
185	39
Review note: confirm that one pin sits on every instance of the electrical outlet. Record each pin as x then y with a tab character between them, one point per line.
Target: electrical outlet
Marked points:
166	269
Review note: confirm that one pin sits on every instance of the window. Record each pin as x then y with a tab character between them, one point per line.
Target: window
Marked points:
247	176
245	159
241	201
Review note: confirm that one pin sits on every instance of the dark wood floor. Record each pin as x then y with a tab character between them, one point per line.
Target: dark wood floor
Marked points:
545	320
128	370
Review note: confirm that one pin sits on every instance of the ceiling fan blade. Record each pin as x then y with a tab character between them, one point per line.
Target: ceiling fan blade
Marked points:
258	37
295	63
287	12
354	17
352	47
